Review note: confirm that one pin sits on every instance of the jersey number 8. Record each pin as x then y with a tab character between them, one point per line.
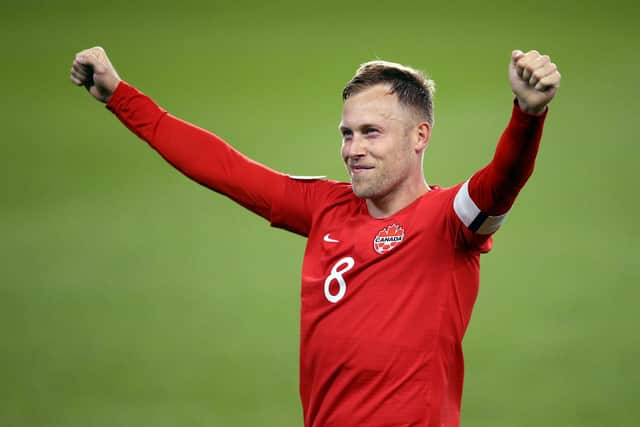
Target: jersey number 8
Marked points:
339	268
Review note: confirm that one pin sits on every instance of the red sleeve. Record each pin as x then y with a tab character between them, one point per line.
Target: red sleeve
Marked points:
495	187
197	153
483	201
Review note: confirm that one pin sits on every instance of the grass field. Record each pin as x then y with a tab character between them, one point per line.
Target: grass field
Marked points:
131	297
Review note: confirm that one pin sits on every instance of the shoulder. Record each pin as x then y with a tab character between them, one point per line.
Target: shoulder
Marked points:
330	188
435	209
440	195
341	191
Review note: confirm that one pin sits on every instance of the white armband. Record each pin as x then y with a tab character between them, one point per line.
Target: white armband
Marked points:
471	216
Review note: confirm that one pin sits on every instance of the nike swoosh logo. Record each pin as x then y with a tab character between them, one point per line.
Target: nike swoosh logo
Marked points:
328	238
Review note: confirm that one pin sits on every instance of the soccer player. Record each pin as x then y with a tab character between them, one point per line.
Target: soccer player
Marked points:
391	268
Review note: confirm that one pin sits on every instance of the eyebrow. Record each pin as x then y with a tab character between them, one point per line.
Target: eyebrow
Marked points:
362	126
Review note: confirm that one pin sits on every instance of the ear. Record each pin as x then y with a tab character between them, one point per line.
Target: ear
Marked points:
424	135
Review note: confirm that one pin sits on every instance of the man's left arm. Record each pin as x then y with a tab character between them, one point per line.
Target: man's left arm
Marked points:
484	200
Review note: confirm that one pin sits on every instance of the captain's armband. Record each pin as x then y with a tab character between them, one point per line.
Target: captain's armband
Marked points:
471	216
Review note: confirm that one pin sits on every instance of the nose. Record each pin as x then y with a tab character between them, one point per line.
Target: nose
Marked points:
356	147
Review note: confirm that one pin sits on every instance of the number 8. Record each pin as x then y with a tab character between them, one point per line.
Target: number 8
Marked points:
336	274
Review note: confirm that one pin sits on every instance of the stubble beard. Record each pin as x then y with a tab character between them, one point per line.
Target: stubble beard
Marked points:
361	188
371	187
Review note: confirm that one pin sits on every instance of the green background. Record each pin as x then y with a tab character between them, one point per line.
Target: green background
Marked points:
130	296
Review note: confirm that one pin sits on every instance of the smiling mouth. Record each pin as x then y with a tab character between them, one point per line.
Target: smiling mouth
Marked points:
359	168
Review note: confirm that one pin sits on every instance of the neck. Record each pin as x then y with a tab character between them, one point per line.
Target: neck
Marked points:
397	200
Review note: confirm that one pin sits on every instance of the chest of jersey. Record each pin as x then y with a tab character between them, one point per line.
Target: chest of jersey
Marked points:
380	309
365	277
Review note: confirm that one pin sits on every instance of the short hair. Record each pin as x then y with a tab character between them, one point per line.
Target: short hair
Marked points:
412	87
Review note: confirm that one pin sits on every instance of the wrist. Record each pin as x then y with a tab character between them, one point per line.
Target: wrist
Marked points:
111	89
529	109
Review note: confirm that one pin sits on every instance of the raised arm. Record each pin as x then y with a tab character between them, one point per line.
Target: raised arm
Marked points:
197	153
483	201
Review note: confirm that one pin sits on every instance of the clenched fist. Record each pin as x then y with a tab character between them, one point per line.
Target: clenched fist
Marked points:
534	80
92	69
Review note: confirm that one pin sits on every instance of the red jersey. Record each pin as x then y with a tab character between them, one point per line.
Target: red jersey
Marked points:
385	302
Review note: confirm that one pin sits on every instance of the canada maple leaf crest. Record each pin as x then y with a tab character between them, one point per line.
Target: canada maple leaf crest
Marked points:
388	238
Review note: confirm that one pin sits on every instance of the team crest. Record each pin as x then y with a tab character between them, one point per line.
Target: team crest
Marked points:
388	238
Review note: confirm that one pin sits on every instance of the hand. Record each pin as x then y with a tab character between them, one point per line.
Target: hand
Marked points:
534	80
92	69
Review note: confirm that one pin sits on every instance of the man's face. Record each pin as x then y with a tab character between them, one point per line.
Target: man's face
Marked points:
379	143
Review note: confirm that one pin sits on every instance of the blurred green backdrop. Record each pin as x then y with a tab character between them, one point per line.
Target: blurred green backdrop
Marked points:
131	297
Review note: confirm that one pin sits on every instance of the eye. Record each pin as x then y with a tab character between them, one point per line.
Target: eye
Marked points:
346	133
372	132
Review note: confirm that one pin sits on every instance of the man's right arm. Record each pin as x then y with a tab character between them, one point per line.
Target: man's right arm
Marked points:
199	154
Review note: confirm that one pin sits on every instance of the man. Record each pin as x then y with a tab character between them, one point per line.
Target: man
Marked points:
391	269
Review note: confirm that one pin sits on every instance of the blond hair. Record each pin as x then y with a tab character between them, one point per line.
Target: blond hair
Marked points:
412	87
